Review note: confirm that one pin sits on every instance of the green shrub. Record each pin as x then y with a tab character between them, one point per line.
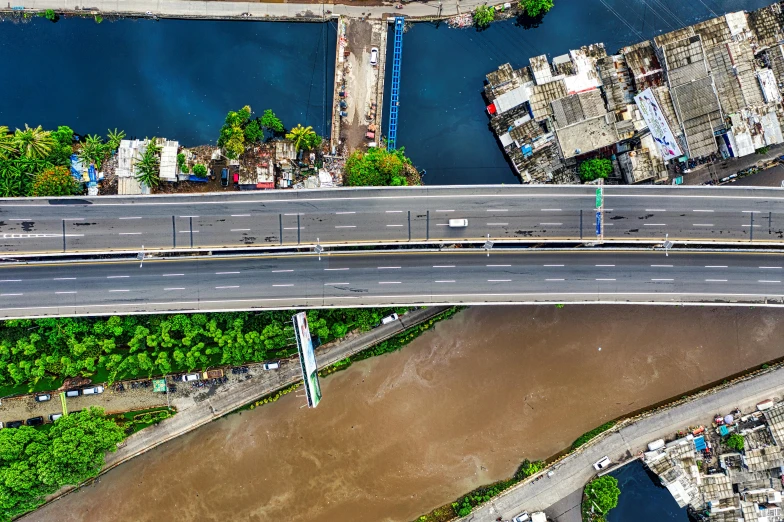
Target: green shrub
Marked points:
200	170
483	15
591	434
595	168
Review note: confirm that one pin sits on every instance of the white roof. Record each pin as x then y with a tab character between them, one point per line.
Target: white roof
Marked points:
506	139
770	88
168	170
513	98
538	517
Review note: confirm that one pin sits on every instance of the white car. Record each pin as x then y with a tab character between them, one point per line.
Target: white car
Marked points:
190	377
272	365
389	319
522	517
458	223
374	56
602	463
95	390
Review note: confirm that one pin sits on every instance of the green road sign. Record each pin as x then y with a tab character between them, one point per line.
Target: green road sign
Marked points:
598	198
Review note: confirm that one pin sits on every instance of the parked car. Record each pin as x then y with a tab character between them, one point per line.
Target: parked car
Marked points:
522	517
43	397
374	56
458	223
225	177
54	416
602	463
14	424
190	377
272	365
389	319
73	393
95	390
35	421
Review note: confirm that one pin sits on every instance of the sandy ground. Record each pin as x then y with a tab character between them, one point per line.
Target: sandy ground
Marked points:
398	435
361	80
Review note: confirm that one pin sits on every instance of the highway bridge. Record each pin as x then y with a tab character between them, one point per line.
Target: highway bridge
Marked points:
453	276
388	216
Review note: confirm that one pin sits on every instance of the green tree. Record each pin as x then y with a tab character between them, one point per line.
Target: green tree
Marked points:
50	15
736	442
376	167
148	168
271	123
12	182
7	146
56	181
602	494
302	137
93	150
232	133
113	139
595	168
63	146
534	8
200	170
483	15
34	143
253	131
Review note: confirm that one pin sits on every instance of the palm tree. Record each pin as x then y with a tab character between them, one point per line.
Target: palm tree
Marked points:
301	136
11	182
114	138
6	142
93	150
33	142
148	168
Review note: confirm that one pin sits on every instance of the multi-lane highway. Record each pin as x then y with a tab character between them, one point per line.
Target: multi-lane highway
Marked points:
377	278
388	216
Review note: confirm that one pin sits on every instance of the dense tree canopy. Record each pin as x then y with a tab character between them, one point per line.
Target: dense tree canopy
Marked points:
376	168
602	495
483	15
271	123
534	8
34	463
56	181
595	168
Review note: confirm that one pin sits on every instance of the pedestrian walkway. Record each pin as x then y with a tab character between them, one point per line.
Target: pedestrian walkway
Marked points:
573	472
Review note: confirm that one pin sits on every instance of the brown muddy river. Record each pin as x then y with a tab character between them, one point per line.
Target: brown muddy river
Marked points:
461	406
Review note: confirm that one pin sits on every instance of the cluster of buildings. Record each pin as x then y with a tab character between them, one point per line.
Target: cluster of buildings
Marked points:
718	483
709	90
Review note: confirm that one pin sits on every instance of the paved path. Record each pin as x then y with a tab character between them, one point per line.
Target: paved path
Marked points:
572	473
258	11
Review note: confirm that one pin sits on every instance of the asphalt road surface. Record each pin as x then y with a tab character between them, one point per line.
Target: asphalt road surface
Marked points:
389	216
376	279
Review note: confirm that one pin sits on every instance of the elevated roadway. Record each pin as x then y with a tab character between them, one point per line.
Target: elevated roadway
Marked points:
407	215
378	278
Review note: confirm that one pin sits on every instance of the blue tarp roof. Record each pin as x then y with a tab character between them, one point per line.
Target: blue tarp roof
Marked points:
723	430
699	443
76	167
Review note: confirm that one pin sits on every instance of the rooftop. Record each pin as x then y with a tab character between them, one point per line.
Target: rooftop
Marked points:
588	135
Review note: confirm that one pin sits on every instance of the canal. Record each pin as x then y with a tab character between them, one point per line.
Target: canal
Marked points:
461	406
642	499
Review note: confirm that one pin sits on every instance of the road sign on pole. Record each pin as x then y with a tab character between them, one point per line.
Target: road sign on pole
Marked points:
598	223
599	197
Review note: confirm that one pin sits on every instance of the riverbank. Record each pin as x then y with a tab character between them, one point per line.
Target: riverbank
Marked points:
197	410
460	406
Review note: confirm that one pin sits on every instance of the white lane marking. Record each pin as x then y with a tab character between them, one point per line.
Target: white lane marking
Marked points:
715	266
605	279
771	267
276	271
117	277
72	292
551	224
73	219
8	295
169	289
551	210
339	213
134	217
497	224
225	287
555	279
388	267
333	284
444	210
224	273
130	233
604	265
443	266
498	210
334	269
345	226
290	228
767	281
715	280
655	224
661	279
497	265
189	216
662	266
552	265
24	219
655	210
389	282
442	224
394	225
11	280
172	275
284	285
755	226
188	231
702	210
240	215
292	214
119	290
751	211
499	280
393	211
446	281
702	225
240	230
60	279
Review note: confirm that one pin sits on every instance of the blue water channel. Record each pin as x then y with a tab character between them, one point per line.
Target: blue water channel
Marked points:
178	78
642	499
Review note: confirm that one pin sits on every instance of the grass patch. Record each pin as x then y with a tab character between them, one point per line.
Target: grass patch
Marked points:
133	421
585	437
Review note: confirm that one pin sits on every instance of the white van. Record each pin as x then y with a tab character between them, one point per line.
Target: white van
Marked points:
389	319
190	377
95	390
73	393
54	416
272	365
602	463
458	223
